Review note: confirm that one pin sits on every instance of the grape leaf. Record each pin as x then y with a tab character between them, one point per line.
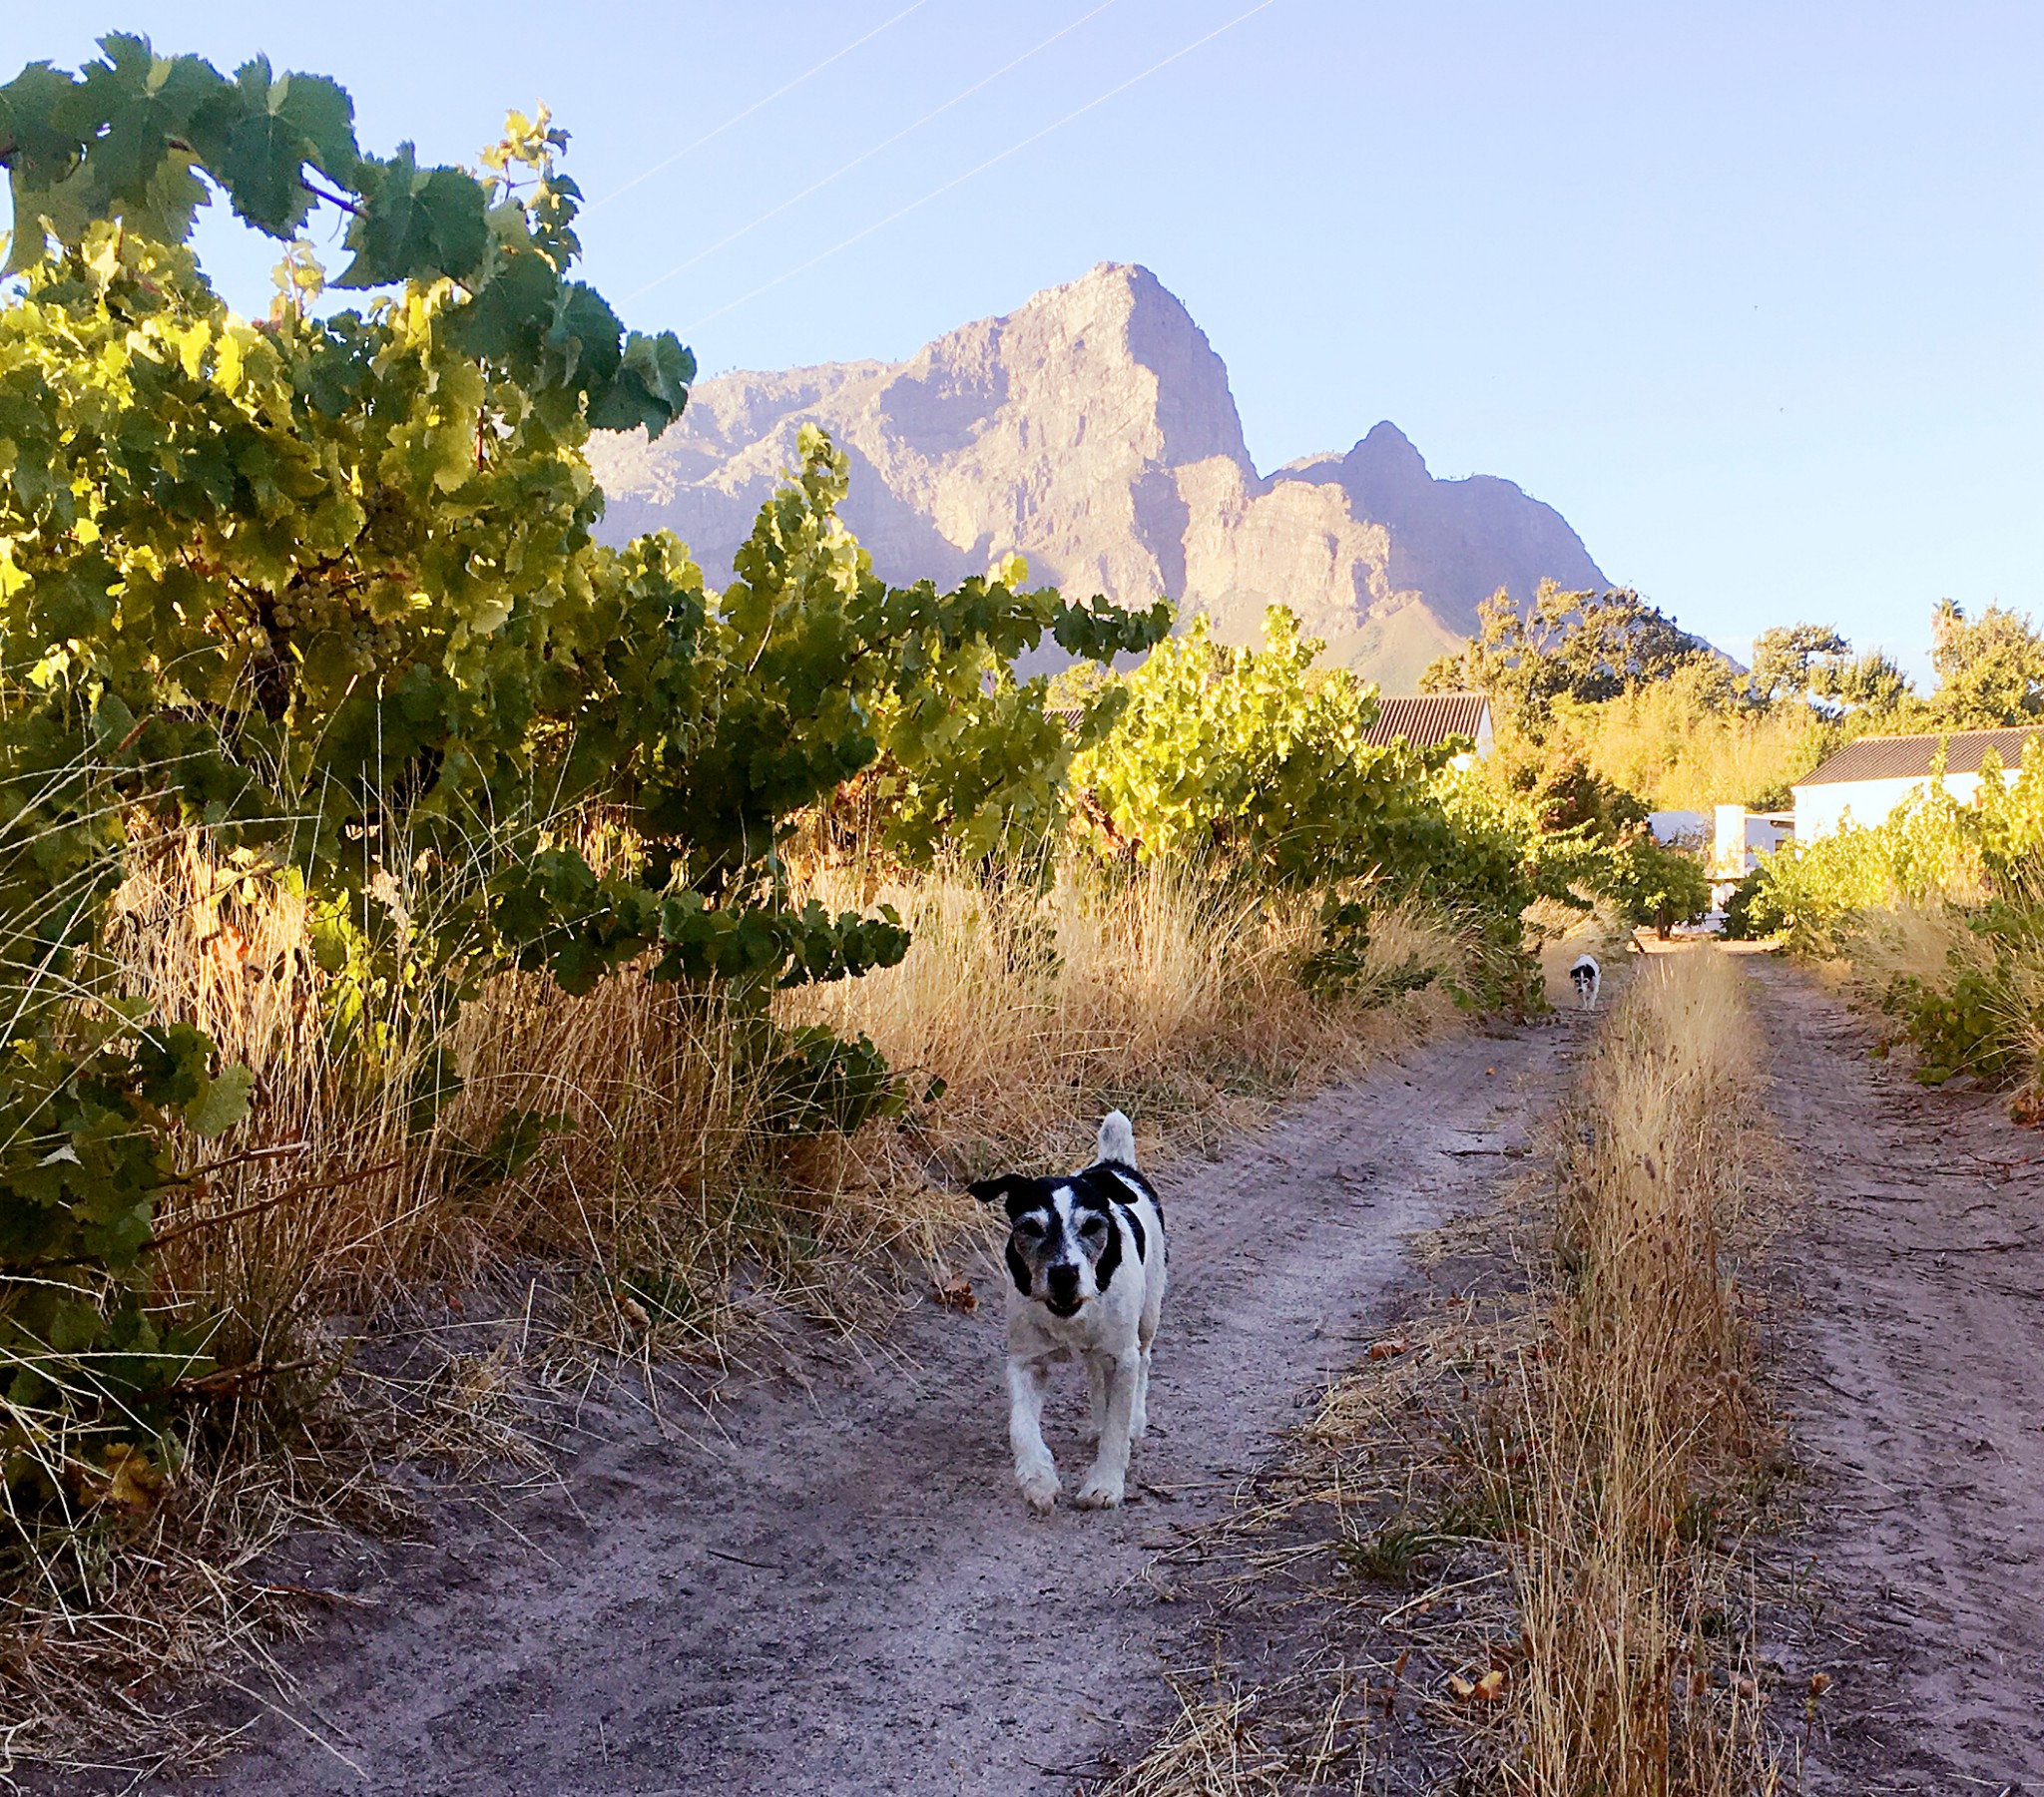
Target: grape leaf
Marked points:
220	1102
414	223
256	136
147	104
649	388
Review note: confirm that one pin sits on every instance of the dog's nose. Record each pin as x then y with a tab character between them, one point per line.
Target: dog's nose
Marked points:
1063	1281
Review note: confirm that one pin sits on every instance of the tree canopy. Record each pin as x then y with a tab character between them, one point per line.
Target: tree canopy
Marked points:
1587	647
1991	668
143	141
1784	657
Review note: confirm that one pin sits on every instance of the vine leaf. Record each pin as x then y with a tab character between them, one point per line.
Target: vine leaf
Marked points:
413	221
221	1101
257	134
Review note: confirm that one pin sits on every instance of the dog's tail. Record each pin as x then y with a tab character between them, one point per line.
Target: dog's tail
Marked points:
1117	1140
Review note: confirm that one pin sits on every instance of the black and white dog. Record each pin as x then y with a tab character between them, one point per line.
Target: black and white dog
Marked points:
1086	1267
1586	976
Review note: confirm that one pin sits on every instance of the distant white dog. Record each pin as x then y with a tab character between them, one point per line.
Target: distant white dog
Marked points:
1586	976
1086	1266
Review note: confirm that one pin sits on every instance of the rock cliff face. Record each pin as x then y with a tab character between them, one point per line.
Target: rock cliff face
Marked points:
1092	430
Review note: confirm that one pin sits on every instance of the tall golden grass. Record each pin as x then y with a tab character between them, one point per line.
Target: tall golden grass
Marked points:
1638	1408
1175	996
1668	741
1931	944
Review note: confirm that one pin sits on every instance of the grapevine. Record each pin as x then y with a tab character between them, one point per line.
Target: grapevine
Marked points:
326	587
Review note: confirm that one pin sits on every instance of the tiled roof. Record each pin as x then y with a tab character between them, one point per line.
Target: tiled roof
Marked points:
1910	758
1429	718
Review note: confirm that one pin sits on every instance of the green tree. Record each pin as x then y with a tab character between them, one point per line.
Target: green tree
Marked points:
1784	659
1991	668
1655	885
1583	645
1872	685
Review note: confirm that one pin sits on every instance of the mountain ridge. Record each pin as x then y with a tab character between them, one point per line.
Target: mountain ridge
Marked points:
1092	429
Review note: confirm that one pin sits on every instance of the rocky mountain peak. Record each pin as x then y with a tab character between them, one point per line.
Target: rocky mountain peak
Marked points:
1386	455
1092	429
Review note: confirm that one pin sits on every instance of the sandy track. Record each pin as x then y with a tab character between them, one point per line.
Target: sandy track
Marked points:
1921	1268
840	1593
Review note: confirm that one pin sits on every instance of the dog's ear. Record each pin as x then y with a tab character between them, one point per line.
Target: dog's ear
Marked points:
996	1190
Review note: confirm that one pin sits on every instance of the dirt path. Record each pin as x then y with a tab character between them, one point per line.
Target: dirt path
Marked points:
1921	1268
840	1593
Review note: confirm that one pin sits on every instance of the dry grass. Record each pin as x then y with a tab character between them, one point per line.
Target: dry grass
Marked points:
1638	1407
1925	940
664	1218
1515	1550
1176	997
1213	1748
1929	945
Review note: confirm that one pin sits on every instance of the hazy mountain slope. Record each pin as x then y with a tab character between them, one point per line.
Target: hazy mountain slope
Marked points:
1092	430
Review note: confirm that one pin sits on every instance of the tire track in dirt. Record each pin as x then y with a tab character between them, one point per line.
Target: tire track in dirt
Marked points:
839	1591
1921	1265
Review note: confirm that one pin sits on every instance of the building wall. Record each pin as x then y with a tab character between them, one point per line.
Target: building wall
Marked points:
1822	810
1486	740
1739	840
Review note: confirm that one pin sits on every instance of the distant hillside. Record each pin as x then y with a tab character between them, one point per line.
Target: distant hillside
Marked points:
1092	430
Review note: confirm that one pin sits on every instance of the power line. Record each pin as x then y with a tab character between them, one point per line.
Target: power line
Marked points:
646	174
957	180
866	156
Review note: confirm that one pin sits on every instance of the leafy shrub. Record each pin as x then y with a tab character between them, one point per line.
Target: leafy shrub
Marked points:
1657	885
1341	964
1938	908
1739	924
1957	1028
1253	754
813	1082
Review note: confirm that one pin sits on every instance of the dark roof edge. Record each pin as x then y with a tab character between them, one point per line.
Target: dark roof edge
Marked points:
1913	756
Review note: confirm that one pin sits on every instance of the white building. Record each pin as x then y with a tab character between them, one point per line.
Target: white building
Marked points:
1427	719
1866	781
1738	839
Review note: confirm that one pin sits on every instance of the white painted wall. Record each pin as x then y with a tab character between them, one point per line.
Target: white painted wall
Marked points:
1486	740
1738	839
1824	810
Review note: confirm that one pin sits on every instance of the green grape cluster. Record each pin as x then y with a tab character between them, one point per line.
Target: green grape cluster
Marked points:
310	615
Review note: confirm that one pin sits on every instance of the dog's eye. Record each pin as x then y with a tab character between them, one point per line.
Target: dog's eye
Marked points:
1093	1225
1028	1225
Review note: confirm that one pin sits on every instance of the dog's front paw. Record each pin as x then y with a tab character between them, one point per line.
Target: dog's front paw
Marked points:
1039	1488
1101	1490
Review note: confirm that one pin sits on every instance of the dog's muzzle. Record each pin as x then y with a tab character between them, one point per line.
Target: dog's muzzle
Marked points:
1063	1298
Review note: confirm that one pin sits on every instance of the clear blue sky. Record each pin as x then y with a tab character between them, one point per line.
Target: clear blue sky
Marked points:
1752	292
